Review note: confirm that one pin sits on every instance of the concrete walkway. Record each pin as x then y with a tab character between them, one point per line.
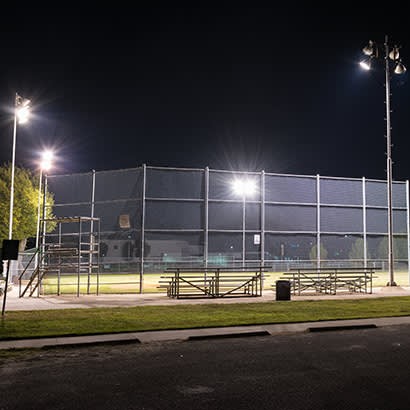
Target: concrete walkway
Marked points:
151	299
194	334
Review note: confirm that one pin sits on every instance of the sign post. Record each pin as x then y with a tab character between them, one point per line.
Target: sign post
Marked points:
10	251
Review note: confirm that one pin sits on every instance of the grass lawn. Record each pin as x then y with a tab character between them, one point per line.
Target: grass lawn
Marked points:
43	323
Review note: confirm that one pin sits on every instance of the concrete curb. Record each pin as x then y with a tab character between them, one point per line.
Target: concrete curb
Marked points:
205	333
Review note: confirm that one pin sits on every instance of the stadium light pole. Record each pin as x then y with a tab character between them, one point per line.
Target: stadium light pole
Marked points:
244	188
373	51
45	165
21	114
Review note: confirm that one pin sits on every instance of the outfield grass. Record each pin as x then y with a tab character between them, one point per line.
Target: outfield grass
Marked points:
129	283
64	322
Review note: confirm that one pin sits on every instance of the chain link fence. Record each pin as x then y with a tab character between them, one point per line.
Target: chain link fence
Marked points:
153	218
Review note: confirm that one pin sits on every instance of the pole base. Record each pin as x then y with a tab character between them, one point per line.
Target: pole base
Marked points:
391	284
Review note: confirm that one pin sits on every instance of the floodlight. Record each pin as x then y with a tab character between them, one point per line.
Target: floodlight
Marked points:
244	187
23	114
369	50
47	155
365	64
45	165
400	68
394	54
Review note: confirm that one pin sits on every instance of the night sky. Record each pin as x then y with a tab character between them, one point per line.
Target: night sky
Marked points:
230	87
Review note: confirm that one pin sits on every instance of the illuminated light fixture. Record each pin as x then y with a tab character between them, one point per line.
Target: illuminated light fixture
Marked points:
369	49
45	165
244	187
366	64
394	53
400	68
23	113
47	155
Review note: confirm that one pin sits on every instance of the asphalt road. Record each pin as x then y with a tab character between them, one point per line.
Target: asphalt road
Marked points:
355	369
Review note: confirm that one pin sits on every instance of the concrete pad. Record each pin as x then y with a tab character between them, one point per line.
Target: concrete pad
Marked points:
161	299
393	290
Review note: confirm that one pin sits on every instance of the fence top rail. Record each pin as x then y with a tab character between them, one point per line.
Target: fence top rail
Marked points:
217	170
68	219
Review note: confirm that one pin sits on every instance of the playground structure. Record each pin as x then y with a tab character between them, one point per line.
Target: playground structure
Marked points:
74	252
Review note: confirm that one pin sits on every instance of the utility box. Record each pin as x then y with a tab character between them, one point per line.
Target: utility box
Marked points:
282	290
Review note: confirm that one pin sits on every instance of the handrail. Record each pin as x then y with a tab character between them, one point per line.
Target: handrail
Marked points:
31	260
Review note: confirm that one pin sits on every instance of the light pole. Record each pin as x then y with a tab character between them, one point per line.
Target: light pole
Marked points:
21	113
374	51
244	188
45	165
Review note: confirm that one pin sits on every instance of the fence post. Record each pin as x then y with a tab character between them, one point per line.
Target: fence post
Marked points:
243	230
206	213
262	231
364	222
318	219
43	237
80	227
144	183
408	228
90	269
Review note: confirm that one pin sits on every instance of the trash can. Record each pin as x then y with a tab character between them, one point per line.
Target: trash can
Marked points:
282	290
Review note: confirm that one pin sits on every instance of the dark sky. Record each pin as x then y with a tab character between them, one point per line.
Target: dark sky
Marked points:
231	87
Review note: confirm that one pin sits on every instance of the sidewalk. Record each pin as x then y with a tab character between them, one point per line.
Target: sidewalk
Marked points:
192	334
152	299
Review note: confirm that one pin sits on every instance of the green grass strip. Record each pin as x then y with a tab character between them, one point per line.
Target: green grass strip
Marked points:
64	322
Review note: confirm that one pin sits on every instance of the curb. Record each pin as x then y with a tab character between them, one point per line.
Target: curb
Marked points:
338	328
205	333
230	335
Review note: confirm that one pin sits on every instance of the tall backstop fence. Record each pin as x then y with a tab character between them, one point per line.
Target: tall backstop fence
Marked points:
156	217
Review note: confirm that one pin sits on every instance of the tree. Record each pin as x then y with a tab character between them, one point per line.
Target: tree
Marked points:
313	252
357	251
399	247
25	204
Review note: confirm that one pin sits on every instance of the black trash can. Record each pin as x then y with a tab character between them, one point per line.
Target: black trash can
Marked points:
282	290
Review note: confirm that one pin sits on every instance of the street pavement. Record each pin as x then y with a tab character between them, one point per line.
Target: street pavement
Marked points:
340	369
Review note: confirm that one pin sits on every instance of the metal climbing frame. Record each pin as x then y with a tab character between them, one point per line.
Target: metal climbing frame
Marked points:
69	256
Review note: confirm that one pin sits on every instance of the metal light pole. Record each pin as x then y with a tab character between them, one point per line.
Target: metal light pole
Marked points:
13	160
372	51
21	111
389	168
243	229
244	188
38	216
44	166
